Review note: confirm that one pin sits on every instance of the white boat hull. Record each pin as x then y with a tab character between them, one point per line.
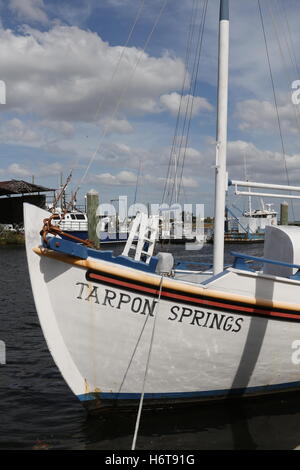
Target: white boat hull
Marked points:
98	317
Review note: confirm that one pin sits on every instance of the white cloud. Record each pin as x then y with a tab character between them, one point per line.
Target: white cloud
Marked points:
25	170
47	135
192	155
261	115
71	12
63	128
118	3
187	182
51	169
128	178
124	177
120	126
188	104
245	159
193	159
29	10
60	81
123	148
65	74
261	164
15	169
120	155
16	132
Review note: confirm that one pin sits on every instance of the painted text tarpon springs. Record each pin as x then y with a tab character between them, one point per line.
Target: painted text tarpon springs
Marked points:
146	306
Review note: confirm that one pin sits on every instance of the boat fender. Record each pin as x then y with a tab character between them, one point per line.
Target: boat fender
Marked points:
165	263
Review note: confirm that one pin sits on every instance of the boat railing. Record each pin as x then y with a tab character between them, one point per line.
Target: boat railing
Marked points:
74	225
254	184
242	261
193	267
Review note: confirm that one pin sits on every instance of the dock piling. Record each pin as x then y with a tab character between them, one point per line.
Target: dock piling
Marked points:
284	213
92	200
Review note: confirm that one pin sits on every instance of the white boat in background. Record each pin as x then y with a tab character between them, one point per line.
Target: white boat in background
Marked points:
249	227
258	219
75	223
132	326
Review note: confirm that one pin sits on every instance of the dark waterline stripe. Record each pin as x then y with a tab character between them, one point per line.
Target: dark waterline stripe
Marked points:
189	395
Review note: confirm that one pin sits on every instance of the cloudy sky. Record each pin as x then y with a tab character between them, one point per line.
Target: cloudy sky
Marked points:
94	86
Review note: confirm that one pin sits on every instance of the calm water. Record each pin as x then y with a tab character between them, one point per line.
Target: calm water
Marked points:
38	411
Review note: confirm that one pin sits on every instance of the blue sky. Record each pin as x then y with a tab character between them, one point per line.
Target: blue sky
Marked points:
70	98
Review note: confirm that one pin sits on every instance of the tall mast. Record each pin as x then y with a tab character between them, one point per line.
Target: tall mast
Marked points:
221	174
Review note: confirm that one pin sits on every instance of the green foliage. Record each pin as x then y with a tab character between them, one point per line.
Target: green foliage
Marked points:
11	238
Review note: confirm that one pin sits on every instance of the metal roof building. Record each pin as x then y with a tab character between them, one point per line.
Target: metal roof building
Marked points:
20	187
14	193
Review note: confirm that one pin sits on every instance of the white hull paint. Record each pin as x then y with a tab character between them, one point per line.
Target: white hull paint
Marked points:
200	349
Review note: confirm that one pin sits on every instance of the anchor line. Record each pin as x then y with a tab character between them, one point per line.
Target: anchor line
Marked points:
137	343
137	424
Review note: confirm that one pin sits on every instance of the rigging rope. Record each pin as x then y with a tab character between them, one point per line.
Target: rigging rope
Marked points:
194	88
177	155
186	62
275	99
291	48
122	53
125	89
174	182
289	77
146	369
136	19
190	104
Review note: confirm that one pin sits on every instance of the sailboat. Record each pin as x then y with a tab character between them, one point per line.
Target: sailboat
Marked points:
119	327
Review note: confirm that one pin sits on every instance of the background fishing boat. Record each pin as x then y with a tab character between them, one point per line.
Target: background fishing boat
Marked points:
250	226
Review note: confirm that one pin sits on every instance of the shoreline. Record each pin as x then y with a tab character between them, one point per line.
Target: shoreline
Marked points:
12	238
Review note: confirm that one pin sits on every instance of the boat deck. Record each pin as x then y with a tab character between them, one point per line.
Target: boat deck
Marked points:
193	276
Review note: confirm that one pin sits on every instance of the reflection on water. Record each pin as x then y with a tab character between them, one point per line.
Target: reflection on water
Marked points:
248	424
38	411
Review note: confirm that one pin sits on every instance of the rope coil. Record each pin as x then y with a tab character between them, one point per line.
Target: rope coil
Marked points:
49	228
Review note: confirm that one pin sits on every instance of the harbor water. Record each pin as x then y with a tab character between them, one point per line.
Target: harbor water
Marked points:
38	411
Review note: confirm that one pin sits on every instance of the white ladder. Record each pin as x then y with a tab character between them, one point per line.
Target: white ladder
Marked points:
142	237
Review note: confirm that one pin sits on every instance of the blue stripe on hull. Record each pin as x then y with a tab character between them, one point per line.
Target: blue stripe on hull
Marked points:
190	395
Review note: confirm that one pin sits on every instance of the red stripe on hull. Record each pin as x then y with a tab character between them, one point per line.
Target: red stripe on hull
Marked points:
192	299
